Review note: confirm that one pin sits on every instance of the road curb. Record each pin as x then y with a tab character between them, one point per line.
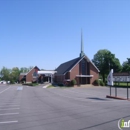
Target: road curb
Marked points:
119	98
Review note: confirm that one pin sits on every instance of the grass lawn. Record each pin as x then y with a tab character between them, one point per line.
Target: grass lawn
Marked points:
31	84
121	84
50	86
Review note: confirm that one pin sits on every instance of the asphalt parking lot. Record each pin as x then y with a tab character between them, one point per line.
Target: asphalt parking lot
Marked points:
38	108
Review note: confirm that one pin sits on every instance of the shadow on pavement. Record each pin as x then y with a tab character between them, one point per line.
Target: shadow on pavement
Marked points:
96	98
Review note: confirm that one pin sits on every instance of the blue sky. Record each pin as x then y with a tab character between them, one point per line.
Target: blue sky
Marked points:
48	32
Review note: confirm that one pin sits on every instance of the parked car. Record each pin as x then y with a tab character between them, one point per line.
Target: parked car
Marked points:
3	82
8	82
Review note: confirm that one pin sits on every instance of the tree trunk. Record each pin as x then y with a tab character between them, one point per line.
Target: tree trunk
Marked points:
103	76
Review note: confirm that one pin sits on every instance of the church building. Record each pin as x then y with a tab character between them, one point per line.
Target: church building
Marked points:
82	69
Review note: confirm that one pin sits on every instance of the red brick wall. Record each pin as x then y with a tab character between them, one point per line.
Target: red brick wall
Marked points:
67	75
74	72
59	78
94	72
77	71
29	76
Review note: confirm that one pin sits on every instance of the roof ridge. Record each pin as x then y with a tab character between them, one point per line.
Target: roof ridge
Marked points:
70	60
62	68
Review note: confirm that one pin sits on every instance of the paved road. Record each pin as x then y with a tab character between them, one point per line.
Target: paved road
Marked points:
36	108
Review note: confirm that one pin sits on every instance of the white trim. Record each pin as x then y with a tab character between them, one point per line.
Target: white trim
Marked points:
93	64
84	76
74	65
31	69
79	61
22	74
5	89
47	72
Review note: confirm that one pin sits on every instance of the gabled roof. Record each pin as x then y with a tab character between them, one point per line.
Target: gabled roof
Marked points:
65	67
92	63
69	65
29	71
33	68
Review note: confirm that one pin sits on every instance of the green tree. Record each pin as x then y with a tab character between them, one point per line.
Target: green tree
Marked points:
5	72
73	82
31	67
105	61
126	66
128	60
42	69
14	75
25	69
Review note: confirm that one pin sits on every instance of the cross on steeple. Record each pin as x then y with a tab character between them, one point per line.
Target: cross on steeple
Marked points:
82	47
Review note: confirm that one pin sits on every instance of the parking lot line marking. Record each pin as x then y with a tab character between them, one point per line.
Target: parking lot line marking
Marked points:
5	90
20	88
10	106
5	122
8	114
9	109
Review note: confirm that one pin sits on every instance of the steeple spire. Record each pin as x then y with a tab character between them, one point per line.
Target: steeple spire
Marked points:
82	47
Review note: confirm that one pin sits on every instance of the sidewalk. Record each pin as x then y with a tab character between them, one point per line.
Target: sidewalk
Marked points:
46	85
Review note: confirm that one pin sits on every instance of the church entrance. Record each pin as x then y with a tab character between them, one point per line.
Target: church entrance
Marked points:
42	78
46	76
84	80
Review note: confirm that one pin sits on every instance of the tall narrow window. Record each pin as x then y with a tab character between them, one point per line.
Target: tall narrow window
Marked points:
84	67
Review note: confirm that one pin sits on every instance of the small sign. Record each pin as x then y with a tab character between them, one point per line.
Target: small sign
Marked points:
110	78
121	78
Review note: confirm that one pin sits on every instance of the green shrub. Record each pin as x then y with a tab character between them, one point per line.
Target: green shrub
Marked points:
12	82
105	82
97	82
30	84
101	83
35	84
73	82
60	84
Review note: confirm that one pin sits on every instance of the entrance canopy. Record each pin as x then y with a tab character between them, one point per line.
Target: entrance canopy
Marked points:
84	76
47	72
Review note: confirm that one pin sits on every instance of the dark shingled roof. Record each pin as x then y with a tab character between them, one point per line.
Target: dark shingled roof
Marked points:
67	66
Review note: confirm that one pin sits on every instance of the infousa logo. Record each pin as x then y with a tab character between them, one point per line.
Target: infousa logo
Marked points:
122	124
